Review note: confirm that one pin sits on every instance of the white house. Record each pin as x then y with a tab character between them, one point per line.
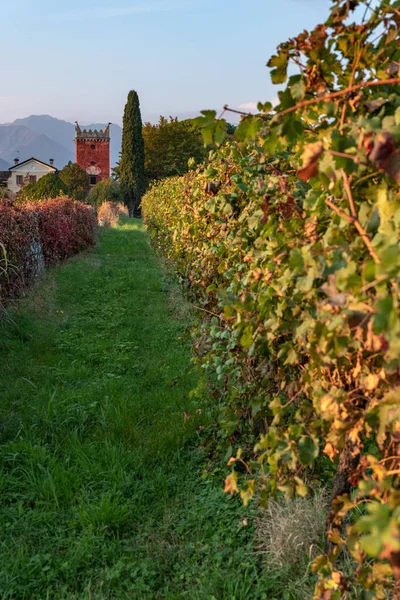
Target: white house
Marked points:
28	171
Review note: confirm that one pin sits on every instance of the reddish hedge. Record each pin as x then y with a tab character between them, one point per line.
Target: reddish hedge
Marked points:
66	227
37	234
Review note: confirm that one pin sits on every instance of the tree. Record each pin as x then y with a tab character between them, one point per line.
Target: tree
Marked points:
106	190
49	186
168	147
76	179
132	174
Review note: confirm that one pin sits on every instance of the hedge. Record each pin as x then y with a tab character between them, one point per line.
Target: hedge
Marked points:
39	234
290	243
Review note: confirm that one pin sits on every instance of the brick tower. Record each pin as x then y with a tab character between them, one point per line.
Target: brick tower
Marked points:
92	152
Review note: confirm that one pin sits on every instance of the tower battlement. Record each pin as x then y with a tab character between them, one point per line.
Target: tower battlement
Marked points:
95	134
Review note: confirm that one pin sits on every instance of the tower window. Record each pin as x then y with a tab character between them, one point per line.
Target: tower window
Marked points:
92	179
93	147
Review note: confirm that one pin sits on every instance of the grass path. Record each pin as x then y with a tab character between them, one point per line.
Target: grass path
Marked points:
101	486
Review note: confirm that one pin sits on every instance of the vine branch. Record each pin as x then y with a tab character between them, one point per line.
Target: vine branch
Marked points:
354	220
209	312
349	194
238	112
353	73
333	95
325	97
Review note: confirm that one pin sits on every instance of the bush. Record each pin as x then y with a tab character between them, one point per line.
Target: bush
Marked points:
49	186
66	227
19	234
110	212
106	190
37	234
76	181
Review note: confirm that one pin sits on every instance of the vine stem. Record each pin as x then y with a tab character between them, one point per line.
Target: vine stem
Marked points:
354	220
344	155
209	312
331	96
349	194
238	112
353	72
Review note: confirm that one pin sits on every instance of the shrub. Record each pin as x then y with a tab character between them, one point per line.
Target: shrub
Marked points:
65	226
37	234
110	212
49	186
106	190
19	233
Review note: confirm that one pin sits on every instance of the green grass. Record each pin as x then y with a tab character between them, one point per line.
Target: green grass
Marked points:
102	492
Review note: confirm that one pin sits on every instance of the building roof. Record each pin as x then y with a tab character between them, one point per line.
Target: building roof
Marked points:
36	160
84	134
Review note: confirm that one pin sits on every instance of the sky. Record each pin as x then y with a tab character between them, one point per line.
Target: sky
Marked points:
77	60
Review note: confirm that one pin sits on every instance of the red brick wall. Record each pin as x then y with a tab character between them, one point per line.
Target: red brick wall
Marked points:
93	151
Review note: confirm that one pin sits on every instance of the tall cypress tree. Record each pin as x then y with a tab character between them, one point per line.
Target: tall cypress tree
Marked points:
131	167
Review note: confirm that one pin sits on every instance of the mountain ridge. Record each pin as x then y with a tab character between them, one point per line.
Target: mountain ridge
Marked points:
45	137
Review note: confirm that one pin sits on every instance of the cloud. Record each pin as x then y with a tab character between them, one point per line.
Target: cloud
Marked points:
250	106
108	12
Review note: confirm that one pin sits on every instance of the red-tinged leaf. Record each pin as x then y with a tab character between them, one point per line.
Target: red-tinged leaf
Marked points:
310	158
391	166
384	146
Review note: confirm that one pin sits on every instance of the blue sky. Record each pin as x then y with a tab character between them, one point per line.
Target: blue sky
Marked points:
77	60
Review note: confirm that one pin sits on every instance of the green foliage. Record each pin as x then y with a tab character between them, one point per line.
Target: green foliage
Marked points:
168	147
105	190
290	239
49	186
76	180
131	166
214	130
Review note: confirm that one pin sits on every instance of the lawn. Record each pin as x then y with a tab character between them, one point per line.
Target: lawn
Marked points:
102	485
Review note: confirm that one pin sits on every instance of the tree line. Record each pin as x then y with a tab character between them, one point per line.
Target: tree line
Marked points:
149	152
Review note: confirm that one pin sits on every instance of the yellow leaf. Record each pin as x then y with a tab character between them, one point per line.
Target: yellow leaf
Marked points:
330	451
371	381
231	484
329	407
248	493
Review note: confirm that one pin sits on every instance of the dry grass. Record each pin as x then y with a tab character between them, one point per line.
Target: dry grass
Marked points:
292	531
177	305
110	212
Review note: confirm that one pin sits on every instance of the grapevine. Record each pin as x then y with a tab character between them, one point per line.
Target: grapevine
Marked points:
290	238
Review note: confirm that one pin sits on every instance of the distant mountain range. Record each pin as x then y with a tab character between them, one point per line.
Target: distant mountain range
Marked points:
45	137
4	166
